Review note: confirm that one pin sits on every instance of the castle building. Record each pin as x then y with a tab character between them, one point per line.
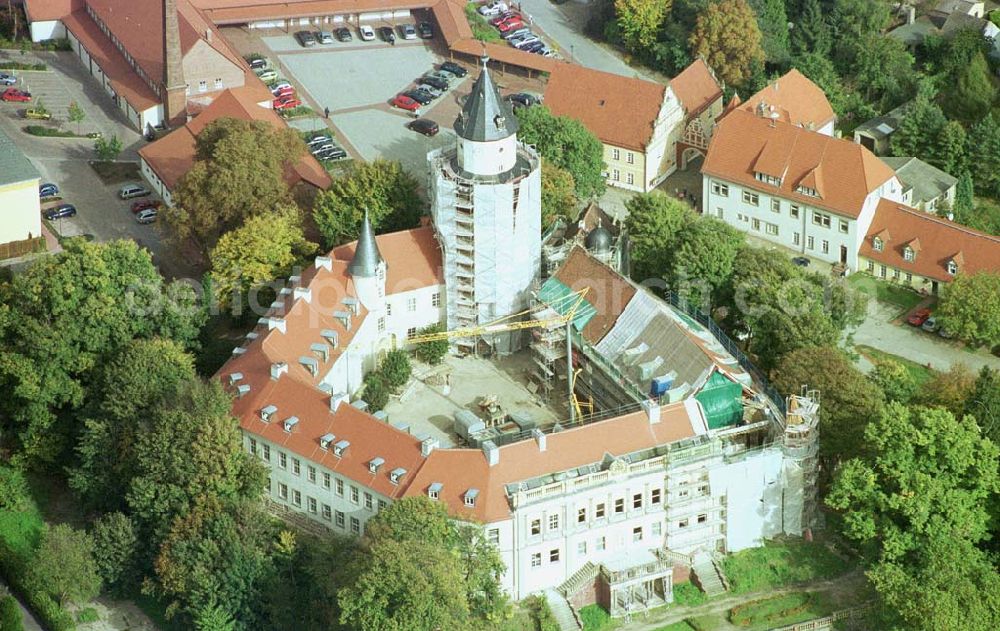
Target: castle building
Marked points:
486	206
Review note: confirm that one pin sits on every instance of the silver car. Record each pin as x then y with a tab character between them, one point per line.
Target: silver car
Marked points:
325	37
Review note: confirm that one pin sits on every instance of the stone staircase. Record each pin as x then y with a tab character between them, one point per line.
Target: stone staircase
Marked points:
581	577
708	575
562	611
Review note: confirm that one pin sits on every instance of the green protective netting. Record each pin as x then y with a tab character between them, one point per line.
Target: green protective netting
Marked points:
722	399
561	298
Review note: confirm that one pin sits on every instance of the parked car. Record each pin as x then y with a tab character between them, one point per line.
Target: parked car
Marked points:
429	89
306	38
503	17
321	147
387	34
366	32
494	8
404	102
146	216
521	32
425	30
333	153
37	114
532	47
286	103
435	82
145	204
325	37
258	63
319	139
267	75
945	333
424	126
130	191
918	317
408	31
522	99
282	89
48	190
420	96
513	25
343	34
801	261
526	41
452	68
447	77
15	95
60	211
7	79
930	325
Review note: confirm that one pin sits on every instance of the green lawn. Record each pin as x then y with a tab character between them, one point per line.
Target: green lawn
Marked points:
21	530
677	626
595	618
780	611
886	292
777	564
686	594
920	373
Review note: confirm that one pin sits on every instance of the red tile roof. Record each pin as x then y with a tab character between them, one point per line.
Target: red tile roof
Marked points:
843	172
795	99
412	258
608	292
696	87
173	155
936	241
47	10
620	111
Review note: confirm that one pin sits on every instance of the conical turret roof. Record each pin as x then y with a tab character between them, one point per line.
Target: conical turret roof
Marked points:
485	117
366	254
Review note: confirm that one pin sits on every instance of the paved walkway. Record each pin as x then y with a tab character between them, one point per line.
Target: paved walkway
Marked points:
878	331
30	623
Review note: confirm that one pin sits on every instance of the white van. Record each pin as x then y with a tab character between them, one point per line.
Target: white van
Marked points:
133	190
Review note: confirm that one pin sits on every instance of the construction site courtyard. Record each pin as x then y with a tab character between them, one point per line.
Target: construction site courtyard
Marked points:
430	400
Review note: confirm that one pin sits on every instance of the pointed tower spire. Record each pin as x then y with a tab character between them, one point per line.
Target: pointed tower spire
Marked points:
485	117
366	255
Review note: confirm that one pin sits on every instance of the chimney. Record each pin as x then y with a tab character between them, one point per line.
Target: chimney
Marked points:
652	411
175	97
539	437
324	261
492	453
428	445
208	35
336	399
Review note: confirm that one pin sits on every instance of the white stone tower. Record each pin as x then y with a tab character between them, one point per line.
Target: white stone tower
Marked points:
487	209
368	269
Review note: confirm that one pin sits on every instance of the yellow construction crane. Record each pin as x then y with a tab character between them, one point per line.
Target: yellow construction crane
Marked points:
521	321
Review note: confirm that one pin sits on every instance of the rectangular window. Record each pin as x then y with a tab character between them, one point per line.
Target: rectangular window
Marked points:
909	276
657	528
796	238
203	86
581	515
771	229
776	205
283	491
411	304
881	271
311	474
382	504
751	198
821	219
810	243
296	498
637	534
326	480
218	83
553	555
536	527
369	504
381	324
355	525
682	523
720	189
616	154
340	519
702	518
843	226
266	450
311	502
637	500
253	446
654	496
355	495
826	246
410	332
616	175
536	559
871	266
703	489
619	505
282	460
601	544
630	157
340	487
629	178
718	212
436	299
327	513
755	224
493	536
599	511
296	466
895	274
553	522
581	547
793	210
908	254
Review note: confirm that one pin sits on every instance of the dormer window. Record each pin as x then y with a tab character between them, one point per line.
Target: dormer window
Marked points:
470	497
808	192
375	463
434	490
768	179
952	267
909	254
340	448
267	412
877	244
290	423
396	475
325	440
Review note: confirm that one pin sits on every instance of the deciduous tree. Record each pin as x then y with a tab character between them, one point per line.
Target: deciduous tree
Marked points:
640	20
558	195
949	390
383	188
812	33
973	93
984	403
239	172
264	248
76	114
970	308
654	223
431	352
567	144
395	367
64	565
116	551
883	66
704	259
894	380
727	36
773	23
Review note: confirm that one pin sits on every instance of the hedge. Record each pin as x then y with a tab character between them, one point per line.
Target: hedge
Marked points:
769	609
51	132
16	572
10	614
17	65
543	617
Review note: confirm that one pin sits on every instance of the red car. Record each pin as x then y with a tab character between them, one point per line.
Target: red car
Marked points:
510	25
503	17
404	102
144	204
918	317
283	90
13	94
286	103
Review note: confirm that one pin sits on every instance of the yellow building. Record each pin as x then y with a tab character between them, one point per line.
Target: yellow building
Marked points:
20	213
